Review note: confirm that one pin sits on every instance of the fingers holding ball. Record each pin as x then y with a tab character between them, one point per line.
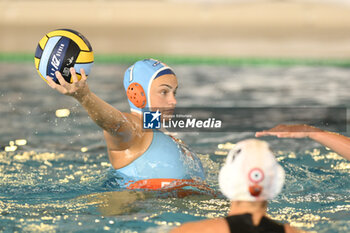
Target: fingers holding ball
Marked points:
63	50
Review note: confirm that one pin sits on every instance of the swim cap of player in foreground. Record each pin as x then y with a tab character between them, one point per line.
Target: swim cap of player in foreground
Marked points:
337	142
143	159
249	178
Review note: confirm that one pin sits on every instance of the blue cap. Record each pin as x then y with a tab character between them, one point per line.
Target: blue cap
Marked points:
144	72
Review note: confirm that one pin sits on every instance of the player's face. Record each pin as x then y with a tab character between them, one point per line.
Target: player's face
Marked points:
163	92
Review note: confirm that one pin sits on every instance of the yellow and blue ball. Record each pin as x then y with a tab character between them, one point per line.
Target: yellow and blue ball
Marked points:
60	50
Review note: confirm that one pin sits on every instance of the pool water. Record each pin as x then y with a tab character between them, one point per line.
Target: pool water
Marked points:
55	173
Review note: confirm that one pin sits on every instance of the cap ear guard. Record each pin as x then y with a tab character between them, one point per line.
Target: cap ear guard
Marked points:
136	95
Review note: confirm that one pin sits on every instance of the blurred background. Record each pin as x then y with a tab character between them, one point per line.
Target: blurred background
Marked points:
309	29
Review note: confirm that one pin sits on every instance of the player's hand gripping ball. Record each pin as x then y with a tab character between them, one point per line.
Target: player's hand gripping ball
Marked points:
60	50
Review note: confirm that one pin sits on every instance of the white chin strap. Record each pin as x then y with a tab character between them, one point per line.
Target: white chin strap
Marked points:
251	173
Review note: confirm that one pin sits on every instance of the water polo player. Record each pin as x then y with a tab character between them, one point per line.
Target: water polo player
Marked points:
142	159
249	178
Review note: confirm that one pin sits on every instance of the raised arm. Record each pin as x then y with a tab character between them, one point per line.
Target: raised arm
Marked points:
337	142
121	127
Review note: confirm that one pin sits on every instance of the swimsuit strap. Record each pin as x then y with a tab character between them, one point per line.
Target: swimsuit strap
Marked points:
244	224
240	223
268	225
